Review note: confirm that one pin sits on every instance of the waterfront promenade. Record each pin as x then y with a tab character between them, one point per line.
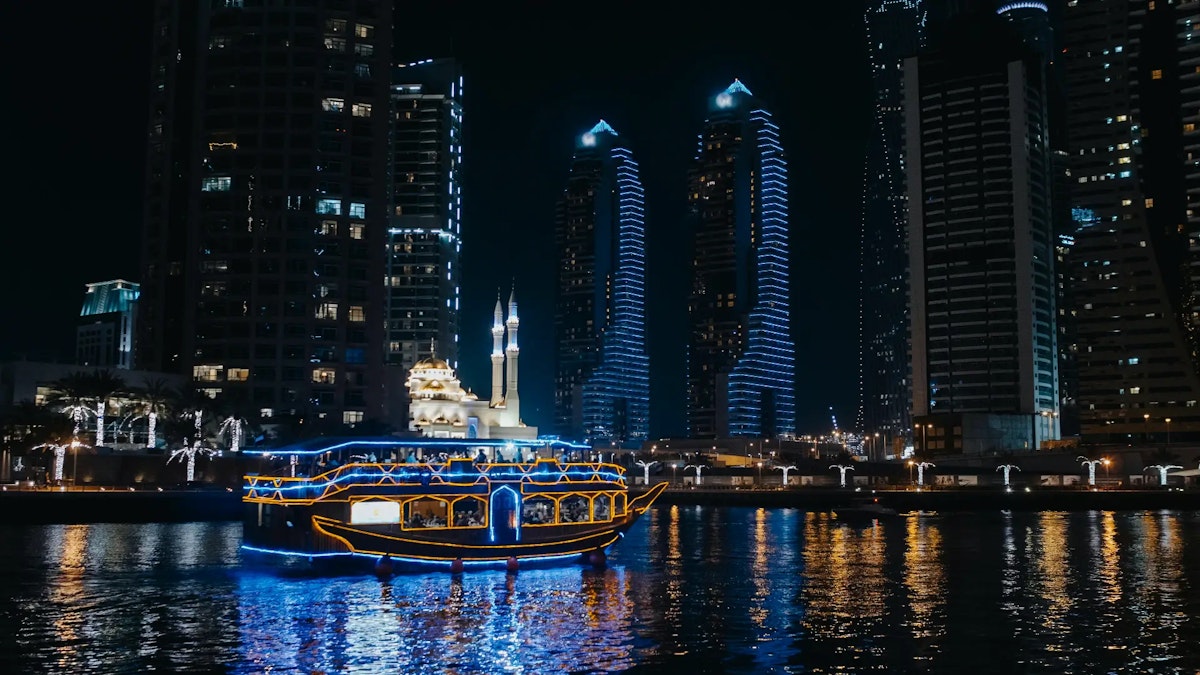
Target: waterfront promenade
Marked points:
95	504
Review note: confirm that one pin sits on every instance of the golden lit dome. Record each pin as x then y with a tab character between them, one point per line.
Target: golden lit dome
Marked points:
433	384
431	363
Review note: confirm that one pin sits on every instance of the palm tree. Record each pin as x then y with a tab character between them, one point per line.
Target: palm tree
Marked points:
71	396
154	399
232	405
104	387
193	404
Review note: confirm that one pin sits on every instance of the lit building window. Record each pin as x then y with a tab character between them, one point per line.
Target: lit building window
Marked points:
352	417
335	44
362	30
364	49
217	184
335	25
1156	74
357	313
362	70
237	374
1149	202
327	310
324	375
361	110
356	230
358	210
329	207
329	227
333	104
207	373
266	413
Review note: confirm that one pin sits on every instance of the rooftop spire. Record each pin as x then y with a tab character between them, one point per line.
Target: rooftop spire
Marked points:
737	88
603	127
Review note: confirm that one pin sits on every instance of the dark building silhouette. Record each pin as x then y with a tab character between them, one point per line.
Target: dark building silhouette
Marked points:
266	213
895	30
984	356
422	291
741	357
1131	125
602	378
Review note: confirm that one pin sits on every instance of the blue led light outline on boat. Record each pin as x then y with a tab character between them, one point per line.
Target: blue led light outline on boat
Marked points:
491	510
423	443
405	559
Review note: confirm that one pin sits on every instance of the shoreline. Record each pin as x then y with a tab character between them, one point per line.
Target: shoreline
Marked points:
118	505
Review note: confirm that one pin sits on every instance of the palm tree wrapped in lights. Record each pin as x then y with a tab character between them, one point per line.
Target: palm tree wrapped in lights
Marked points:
698	468
1162	471
921	471
785	470
1007	469
234	426
104	386
1091	467
154	399
69	396
842	468
646	470
189	452
60	454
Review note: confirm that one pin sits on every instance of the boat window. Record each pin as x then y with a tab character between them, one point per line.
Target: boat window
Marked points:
537	511
620	505
425	512
575	509
601	508
374	512
468	512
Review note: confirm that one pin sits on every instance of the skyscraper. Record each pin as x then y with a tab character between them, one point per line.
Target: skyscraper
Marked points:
895	30
981	246
1130	127
104	335
602	385
266	218
424	237
741	358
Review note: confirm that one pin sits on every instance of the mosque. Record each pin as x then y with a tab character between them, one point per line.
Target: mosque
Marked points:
439	407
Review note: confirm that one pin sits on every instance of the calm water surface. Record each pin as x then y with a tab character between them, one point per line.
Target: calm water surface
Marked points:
690	589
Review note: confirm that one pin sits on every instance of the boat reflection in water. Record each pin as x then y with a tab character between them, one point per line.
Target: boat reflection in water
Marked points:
440	502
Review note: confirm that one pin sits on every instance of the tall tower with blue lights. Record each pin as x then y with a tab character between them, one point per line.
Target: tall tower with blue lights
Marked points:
602	385
741	358
895	30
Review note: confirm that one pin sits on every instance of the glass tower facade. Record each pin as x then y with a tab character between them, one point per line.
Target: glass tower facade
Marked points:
895	30
741	358
602	384
266	216
424	237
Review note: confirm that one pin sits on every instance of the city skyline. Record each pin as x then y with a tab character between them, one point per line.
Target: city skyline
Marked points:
616	88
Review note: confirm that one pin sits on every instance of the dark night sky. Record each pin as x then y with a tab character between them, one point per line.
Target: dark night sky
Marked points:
536	77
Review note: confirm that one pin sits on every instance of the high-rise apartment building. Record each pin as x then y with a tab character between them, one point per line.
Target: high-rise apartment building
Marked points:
1131	127
602	384
895	30
104	335
424	237
741	357
266	214
981	245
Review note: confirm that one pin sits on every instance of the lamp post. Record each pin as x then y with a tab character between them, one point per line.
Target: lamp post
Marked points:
910	471
759	474
1168	421
1146	427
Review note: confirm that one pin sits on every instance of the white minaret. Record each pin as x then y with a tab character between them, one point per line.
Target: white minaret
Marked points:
511	398
497	354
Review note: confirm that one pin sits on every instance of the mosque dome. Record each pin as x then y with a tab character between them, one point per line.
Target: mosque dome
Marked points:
431	363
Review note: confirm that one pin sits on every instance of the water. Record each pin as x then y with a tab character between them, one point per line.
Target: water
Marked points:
690	589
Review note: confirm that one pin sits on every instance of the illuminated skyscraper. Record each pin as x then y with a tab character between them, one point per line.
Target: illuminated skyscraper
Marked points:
424	237
981	245
895	30
602	385
1132	121
104	334
266	206
741	358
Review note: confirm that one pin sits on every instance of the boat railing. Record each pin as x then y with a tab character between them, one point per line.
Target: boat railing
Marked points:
454	472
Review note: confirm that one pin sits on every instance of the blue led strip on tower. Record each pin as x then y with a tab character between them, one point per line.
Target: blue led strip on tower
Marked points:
768	362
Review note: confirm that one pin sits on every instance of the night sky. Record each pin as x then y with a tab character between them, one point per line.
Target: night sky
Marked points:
535	77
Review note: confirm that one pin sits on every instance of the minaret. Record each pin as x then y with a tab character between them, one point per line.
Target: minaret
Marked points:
497	354
511	399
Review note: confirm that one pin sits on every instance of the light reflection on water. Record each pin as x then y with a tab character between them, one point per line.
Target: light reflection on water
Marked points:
689	589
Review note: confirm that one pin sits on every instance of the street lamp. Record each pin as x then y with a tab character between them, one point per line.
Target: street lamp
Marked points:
1168	421
1106	463
760	473
910	471
1146	419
